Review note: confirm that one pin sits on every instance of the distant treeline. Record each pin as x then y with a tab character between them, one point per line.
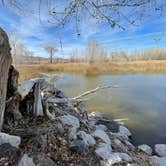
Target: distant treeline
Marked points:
149	54
95	52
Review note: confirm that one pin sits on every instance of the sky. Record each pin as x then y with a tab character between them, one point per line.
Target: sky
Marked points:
35	34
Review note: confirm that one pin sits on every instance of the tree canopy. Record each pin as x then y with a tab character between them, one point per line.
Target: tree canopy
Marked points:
116	13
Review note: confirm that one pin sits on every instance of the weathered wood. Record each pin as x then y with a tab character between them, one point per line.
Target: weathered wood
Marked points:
5	62
37	106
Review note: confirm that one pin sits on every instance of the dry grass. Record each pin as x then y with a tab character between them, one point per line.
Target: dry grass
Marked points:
28	71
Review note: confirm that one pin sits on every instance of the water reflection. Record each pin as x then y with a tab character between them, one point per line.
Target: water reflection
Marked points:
139	98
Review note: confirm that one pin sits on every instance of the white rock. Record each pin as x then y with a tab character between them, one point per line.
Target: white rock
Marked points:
101	127
102	135
145	148
123	130
124	157
103	150
160	150
12	140
158	161
95	115
86	138
115	158
70	121
26	161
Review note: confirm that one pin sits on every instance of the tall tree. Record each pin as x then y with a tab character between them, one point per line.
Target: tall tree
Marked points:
51	49
5	62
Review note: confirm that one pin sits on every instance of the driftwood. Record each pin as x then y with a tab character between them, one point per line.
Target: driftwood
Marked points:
37	107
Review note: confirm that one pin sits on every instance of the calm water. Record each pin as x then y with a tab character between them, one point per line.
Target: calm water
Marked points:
140	98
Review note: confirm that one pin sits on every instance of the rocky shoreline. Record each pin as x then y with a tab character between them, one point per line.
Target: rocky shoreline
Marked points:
48	129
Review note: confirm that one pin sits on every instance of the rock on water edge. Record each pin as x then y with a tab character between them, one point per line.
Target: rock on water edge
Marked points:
101	127
158	161
145	148
115	158
125	131
12	140
160	150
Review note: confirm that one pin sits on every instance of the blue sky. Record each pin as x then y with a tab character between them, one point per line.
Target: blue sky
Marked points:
35	35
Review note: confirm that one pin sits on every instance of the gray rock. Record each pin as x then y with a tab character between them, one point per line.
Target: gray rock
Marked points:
102	135
12	140
118	145
26	161
160	150
101	127
86	138
145	148
103	151
120	136
158	161
116	158
72	133
70	121
124	131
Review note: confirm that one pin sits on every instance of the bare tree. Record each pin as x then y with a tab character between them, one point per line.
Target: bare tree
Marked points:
20	53
95	52
117	13
51	49
5	62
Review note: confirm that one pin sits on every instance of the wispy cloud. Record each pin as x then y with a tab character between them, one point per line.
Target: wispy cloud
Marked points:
35	34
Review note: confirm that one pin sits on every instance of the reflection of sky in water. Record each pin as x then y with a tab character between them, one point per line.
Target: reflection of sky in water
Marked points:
140	98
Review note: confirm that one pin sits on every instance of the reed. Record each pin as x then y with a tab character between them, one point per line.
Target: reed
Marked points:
28	71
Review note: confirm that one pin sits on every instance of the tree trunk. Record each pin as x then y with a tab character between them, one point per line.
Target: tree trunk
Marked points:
5	62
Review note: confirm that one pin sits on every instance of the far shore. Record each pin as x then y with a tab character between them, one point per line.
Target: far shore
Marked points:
31	70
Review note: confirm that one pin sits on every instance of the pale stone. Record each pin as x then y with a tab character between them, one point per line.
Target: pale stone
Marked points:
160	150
158	161
145	148
103	150
102	135
116	158
70	121
123	130
11	139
101	127
124	157
86	138
26	161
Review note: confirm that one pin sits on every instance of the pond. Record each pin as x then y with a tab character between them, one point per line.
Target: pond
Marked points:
140	100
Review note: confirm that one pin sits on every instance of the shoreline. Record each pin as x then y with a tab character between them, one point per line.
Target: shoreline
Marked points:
65	133
28	71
